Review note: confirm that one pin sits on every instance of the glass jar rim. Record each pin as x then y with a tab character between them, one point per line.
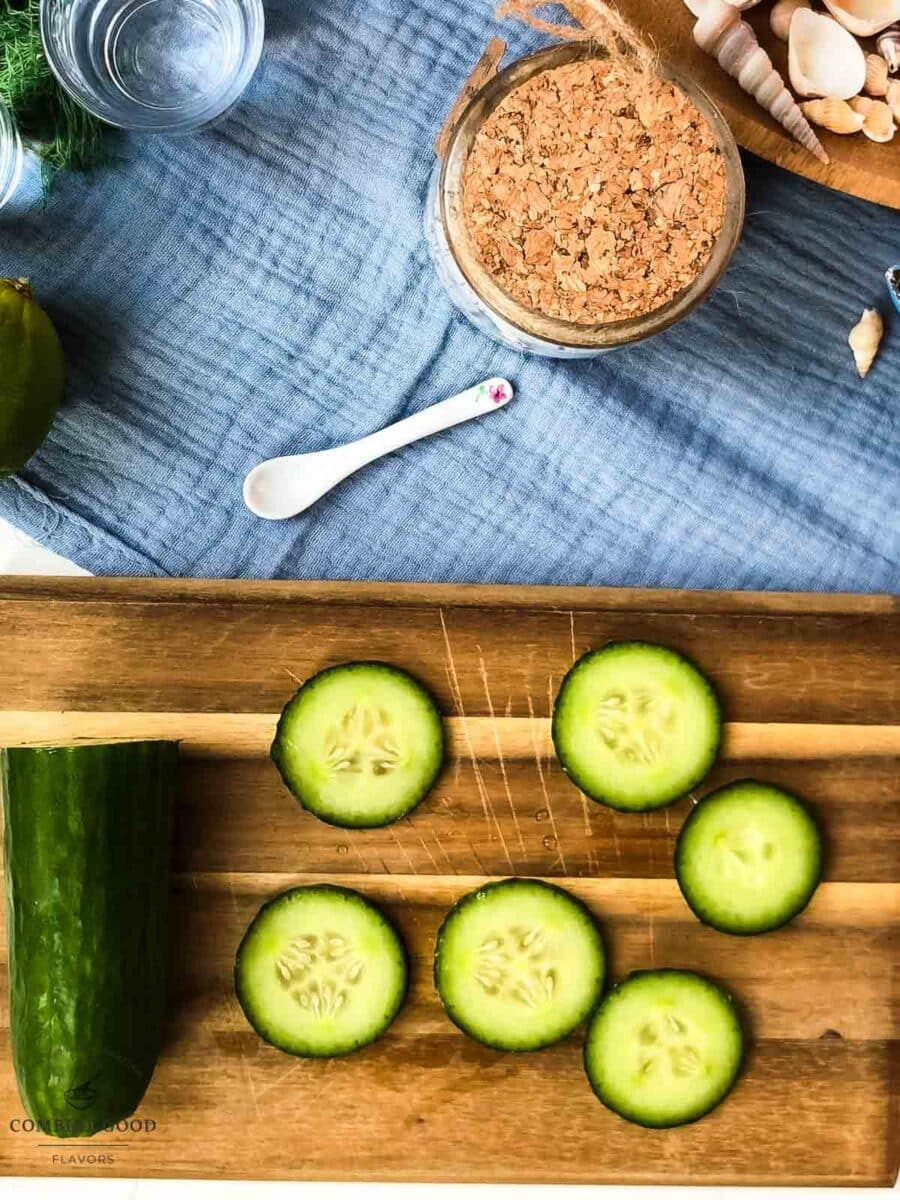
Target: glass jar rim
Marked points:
10	154
570	334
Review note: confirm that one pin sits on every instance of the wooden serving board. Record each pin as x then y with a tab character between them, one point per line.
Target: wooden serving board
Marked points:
858	165
812	689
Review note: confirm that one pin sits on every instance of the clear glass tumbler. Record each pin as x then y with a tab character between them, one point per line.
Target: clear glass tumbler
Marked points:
165	66
10	155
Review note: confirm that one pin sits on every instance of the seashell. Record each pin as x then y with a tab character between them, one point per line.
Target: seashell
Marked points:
878	120
865	338
741	5
892	275
780	16
876	75
892	97
864	18
888	46
823	58
834	114
721	32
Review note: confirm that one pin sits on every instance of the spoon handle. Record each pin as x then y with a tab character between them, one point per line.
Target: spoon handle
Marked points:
474	402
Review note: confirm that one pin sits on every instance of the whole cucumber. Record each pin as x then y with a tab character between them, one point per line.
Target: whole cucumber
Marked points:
86	850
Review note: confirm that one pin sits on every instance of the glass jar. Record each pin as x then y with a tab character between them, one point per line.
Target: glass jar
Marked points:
10	155
489	307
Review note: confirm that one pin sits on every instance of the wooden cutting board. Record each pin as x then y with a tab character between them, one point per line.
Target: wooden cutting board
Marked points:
812	689
858	165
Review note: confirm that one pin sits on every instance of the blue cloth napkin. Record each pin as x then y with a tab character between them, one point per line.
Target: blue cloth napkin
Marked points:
264	288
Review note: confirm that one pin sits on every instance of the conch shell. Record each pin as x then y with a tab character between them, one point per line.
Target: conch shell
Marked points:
781	14
864	18
876	75
888	45
721	32
865	338
878	120
834	114
823	58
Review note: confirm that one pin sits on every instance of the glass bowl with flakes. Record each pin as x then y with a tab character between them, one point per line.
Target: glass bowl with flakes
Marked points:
581	204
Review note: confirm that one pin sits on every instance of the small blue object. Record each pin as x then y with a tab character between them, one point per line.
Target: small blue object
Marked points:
892	275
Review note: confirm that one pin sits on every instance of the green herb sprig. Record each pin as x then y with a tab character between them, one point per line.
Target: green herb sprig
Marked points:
63	135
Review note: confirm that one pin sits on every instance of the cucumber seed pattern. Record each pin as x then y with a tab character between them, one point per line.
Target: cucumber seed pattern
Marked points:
319	971
665	1046
635	724
363	741
517	965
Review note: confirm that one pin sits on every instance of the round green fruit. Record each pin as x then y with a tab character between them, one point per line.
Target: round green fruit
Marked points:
31	374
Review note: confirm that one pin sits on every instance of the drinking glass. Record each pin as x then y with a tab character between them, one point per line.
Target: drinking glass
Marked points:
165	66
10	155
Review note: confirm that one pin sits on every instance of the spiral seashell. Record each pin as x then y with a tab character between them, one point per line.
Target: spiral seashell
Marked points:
878	120
865	338
834	114
720	32
876	75
781	16
888	45
892	97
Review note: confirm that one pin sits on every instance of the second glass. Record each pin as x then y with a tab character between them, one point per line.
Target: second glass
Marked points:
154	65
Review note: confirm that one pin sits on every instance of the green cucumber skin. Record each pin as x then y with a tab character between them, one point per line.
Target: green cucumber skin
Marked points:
709	919
86	849
284	722
632	1115
572	771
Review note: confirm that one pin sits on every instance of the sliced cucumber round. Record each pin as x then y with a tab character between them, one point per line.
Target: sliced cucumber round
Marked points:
748	858
663	1048
519	964
320	972
360	745
636	725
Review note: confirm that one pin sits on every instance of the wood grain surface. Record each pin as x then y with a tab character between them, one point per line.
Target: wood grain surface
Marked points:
858	165
811	686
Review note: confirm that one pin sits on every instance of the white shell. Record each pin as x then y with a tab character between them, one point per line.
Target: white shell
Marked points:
823	58
878	120
865	338
720	31
892	98
742	4
864	18
780	16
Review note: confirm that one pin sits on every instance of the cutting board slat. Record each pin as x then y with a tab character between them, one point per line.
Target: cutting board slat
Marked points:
812	692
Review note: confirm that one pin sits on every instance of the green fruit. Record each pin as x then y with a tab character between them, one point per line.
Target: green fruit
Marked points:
31	374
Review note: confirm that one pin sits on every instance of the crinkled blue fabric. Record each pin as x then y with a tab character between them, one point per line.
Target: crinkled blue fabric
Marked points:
264	288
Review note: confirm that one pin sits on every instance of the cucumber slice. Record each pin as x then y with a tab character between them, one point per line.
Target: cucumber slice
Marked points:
518	964
663	1048
748	858
360	745
636	725
320	972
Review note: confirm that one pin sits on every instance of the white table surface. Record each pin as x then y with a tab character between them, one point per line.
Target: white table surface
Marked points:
19	555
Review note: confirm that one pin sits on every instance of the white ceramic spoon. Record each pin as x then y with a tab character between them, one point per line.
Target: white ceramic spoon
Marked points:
284	487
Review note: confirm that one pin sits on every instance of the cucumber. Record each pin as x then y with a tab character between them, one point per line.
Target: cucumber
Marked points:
664	1048
636	725
86	849
518	964
360	745
748	858
320	972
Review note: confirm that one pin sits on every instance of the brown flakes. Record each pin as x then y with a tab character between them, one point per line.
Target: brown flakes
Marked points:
589	203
